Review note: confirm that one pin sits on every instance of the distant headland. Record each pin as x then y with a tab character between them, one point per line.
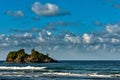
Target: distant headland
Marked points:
21	57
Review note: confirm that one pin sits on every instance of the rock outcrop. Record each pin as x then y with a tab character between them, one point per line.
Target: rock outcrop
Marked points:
21	57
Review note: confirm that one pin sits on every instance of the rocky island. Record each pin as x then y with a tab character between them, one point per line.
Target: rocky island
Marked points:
21	57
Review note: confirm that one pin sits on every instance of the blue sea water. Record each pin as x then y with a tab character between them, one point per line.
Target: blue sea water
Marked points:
63	70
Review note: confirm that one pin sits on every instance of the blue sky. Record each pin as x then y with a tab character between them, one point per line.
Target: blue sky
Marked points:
82	29
82	11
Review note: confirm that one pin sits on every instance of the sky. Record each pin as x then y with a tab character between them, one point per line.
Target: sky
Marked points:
66	29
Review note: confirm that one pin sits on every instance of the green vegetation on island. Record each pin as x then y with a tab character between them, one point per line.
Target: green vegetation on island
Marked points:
21	57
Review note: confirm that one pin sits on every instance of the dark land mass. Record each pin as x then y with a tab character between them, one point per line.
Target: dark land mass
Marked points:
21	57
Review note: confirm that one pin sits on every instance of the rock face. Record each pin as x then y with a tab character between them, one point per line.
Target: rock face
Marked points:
21	57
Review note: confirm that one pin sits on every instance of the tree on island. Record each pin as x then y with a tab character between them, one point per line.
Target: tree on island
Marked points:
21	57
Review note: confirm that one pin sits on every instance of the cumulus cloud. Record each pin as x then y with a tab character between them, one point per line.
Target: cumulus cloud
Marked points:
48	9
113	28
72	39
18	13
86	38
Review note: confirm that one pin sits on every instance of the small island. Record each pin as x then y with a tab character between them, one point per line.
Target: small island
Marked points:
21	57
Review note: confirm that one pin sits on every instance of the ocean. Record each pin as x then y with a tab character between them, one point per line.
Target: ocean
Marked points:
63	70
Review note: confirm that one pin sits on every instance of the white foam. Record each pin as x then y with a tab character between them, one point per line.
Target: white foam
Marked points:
83	75
21	68
91	75
64	74
99	75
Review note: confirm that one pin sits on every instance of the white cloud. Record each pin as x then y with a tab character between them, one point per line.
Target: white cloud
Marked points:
97	47
47	9
40	38
4	44
18	13
113	28
2	36
16	42
6	38
49	33
55	47
72	39
115	40
27	35
86	38
100	39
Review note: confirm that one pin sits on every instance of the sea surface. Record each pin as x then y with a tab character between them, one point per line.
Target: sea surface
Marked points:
63	70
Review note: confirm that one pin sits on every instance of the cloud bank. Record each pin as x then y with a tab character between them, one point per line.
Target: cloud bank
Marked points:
47	40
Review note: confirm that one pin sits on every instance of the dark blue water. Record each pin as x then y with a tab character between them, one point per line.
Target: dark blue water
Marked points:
63	70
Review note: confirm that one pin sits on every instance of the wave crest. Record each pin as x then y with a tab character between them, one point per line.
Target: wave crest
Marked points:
21	68
92	75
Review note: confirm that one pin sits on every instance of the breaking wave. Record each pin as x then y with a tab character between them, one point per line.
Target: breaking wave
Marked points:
61	74
83	75
21	68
